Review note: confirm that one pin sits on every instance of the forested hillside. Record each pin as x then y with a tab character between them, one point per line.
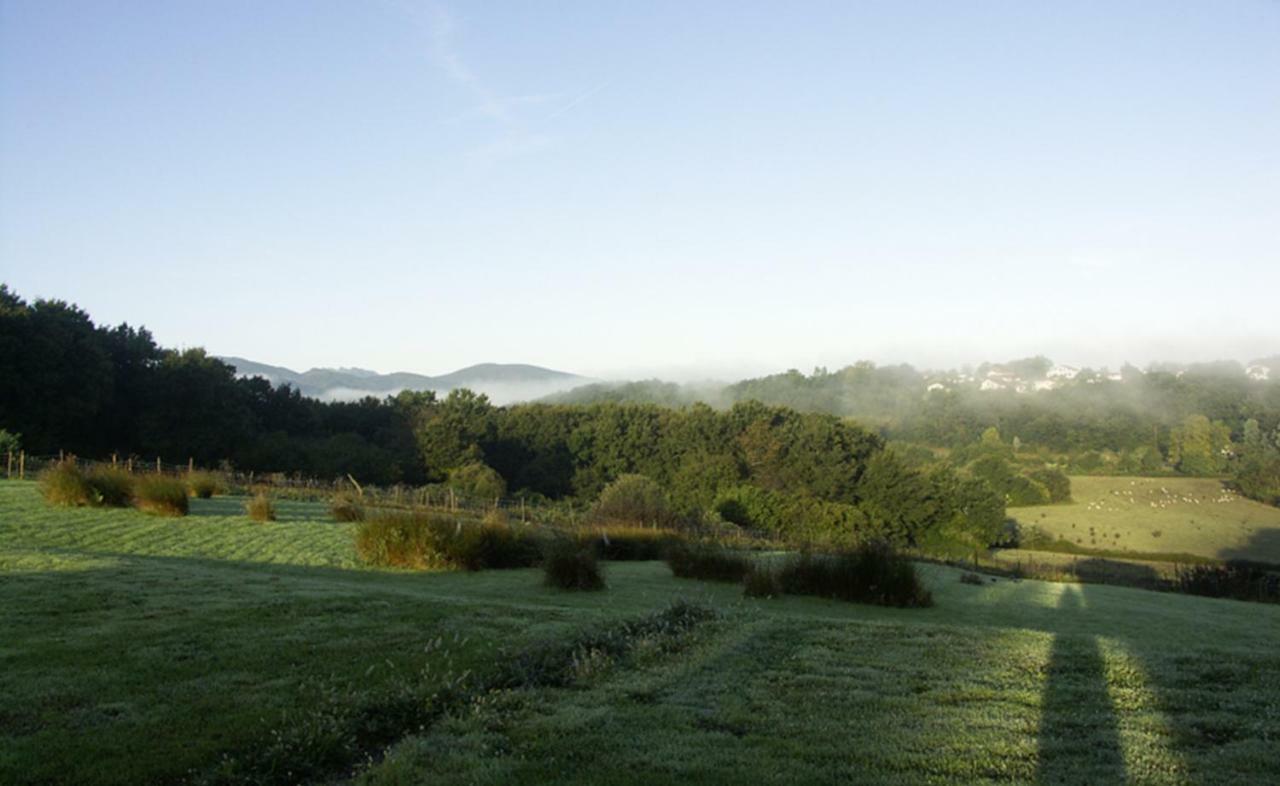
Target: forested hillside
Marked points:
71	385
1198	420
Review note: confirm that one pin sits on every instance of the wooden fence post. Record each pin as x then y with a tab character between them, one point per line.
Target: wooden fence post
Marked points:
157	465
9	473
128	465
114	458
191	465
22	465
61	458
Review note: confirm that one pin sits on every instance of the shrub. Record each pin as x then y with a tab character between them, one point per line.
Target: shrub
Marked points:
1022	491
635	499
709	563
65	484
761	582
478	481
259	508
1055	482
491	545
622	543
161	495
205	484
791	516
871	573
570	563
418	540
1239	580
344	507
111	486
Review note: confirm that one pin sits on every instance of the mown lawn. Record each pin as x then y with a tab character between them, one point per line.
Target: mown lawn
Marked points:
138	649
1161	515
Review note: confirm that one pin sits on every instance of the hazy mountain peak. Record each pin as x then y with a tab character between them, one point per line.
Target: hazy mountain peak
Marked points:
503	383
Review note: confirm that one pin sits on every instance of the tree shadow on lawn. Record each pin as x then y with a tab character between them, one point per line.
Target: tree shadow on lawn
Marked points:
1143	708
1079	734
1262	548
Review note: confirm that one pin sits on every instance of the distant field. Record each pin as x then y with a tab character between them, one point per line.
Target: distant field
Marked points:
142	650
1161	515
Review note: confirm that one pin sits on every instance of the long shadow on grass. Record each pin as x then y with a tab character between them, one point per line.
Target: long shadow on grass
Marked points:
1079	734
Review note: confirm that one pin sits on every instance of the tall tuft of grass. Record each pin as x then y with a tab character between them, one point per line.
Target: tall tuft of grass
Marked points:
761	582
631	543
162	495
65	484
490	545
111	486
871	573
427	540
709	563
345	507
571	564
260	508
204	485
401	540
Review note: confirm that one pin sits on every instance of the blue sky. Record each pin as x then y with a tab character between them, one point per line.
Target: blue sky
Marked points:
621	189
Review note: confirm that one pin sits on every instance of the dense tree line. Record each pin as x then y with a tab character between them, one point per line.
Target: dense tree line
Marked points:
71	385
1193	420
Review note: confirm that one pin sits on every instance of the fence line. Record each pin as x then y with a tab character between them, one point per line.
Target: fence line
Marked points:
439	495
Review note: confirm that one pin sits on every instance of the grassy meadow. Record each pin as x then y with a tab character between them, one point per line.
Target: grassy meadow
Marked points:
140	649
1196	516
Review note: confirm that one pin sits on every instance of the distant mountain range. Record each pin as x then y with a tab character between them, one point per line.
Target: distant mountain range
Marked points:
503	383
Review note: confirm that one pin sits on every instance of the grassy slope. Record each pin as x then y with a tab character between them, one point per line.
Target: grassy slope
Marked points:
138	648
1192	515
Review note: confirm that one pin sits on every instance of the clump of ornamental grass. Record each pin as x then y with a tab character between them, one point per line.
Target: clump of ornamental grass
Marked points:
112	487
64	484
260	508
431	540
161	495
706	562
622	542
571	564
345	507
870	573
761	582
204	485
491	545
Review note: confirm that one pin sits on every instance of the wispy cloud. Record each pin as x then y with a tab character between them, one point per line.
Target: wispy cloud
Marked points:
578	99
514	118
446	55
